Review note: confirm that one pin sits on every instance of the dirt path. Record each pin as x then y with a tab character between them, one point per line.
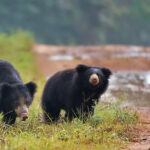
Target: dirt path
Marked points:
141	140
51	59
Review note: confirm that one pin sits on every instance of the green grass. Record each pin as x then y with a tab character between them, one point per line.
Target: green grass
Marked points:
107	129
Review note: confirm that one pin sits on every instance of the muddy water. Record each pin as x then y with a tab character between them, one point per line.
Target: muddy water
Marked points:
131	88
97	52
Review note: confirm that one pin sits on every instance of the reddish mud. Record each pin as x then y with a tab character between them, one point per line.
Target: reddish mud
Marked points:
113	57
141	140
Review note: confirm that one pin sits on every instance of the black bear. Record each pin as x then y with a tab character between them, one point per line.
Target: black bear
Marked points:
15	97
74	90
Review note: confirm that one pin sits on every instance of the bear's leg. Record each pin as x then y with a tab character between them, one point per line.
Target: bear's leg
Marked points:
71	114
9	118
87	111
51	116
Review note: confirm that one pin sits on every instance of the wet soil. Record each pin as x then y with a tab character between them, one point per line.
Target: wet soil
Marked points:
141	139
54	58
130	82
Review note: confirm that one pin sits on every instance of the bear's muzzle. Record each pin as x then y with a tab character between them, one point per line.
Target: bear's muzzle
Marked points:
94	79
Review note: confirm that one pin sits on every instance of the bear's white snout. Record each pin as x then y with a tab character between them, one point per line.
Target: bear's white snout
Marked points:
94	79
22	110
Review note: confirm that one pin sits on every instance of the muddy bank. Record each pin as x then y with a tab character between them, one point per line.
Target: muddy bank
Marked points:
117	57
93	52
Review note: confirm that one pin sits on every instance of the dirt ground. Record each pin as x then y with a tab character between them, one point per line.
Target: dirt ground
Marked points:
96	55
50	59
141	134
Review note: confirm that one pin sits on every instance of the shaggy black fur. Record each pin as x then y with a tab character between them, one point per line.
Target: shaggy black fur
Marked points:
70	90
12	90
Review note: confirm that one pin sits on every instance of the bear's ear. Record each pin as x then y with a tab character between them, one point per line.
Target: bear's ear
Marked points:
31	87
81	68
5	89
106	72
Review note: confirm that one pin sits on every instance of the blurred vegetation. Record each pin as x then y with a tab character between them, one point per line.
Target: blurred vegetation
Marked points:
15	48
79	21
109	128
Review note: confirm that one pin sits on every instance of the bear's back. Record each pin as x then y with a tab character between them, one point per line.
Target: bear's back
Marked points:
8	73
63	76
59	84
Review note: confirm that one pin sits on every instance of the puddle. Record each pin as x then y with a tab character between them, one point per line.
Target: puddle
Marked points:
130	87
60	57
68	57
131	55
70	53
92	55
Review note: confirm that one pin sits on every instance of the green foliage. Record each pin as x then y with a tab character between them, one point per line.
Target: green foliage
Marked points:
108	133
107	129
15	48
79	21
